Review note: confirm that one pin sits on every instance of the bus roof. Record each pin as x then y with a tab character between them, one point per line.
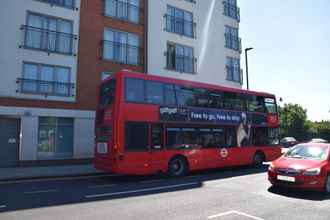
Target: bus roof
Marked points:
187	83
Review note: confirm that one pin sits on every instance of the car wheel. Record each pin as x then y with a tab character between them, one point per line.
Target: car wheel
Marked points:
327	185
258	159
178	166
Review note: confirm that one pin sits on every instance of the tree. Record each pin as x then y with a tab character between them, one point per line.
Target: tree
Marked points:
294	122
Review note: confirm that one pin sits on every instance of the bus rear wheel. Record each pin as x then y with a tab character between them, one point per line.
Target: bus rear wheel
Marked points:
258	159
178	166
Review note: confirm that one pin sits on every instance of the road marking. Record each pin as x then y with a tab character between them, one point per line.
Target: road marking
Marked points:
220	214
2	206
58	178
234	212
102	186
42	191
141	190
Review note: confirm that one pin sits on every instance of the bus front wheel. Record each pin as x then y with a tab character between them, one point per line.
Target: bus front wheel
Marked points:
178	166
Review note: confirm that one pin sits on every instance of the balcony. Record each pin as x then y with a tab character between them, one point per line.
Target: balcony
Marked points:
180	26
121	10
179	63
49	41
234	74
233	42
231	10
62	3
122	53
47	88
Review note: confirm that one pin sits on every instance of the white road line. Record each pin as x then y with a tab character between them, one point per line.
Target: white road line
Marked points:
42	191
2	206
141	190
220	214
58	178
102	186
234	212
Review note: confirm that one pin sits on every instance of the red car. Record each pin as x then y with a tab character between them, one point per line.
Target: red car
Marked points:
304	166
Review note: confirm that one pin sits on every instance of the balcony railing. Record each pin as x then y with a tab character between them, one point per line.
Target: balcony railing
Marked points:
42	87
122	10
62	3
184	64
234	74
48	40
233	42
180	26
122	53
231	10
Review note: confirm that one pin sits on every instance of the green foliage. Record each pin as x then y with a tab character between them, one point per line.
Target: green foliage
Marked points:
294	123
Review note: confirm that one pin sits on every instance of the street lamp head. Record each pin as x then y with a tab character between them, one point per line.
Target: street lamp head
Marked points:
249	48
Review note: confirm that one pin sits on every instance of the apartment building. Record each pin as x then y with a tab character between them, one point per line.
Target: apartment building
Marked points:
196	40
41	117
56	52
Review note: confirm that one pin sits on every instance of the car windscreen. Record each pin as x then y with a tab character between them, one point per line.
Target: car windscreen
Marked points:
308	152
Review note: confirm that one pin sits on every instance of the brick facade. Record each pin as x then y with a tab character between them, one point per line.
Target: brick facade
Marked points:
90	64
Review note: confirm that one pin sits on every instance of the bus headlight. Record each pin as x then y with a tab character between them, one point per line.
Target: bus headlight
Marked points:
312	172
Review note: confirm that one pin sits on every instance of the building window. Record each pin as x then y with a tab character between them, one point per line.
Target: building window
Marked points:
233	70
231	10
45	79
128	10
55	138
180	22
63	3
121	47
49	34
180	58
232	39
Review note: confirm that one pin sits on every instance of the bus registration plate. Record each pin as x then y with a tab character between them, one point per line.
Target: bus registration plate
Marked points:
286	178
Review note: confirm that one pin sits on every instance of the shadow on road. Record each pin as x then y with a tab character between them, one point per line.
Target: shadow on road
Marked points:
64	192
299	193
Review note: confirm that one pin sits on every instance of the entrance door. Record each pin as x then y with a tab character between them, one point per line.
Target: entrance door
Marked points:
9	142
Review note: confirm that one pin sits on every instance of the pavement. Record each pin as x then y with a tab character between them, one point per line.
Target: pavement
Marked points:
223	194
39	172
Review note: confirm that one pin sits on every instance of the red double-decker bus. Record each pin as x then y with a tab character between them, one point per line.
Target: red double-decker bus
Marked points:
148	124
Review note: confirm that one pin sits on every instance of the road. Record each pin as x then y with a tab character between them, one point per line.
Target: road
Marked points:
236	193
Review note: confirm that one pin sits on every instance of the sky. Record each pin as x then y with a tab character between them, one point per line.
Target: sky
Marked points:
291	55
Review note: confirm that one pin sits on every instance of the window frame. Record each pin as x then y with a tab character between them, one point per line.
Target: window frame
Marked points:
38	79
126	19
73	37
174	66
63	5
126	46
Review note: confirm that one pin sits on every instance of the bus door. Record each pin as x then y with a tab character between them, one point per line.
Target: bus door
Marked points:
158	155
137	157
234	153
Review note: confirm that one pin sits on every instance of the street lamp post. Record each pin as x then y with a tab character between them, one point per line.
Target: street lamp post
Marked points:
247	67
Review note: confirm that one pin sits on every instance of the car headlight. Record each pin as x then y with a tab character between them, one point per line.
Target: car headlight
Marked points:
312	172
271	167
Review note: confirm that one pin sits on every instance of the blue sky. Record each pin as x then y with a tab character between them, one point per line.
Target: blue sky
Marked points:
292	51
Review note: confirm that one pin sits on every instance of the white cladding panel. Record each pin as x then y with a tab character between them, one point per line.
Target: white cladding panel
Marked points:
13	14
209	44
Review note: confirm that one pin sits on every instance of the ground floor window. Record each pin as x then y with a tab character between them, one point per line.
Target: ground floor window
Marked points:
55	138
